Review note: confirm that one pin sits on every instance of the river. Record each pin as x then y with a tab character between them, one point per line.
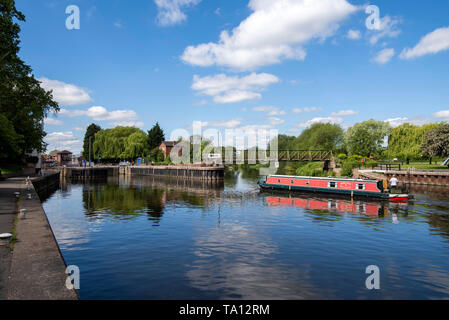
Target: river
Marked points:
153	238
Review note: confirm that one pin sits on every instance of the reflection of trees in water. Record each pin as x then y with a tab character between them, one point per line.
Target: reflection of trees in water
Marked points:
439	222
128	197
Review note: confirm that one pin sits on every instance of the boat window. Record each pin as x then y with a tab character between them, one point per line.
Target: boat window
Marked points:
360	186
279	180
332	184
293	182
307	182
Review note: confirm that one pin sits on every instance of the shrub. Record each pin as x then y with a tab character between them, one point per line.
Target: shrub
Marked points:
342	156
347	168
355	158
312	169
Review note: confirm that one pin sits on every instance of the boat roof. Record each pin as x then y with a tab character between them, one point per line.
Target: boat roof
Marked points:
324	178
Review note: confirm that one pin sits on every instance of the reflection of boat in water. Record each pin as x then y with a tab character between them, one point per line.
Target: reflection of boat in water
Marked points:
338	186
337	205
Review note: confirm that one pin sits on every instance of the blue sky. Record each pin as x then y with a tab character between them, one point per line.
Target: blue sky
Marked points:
280	64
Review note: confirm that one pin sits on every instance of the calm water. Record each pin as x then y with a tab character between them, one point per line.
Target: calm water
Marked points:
145	238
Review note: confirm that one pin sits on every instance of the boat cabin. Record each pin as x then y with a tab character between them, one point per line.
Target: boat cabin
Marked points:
326	183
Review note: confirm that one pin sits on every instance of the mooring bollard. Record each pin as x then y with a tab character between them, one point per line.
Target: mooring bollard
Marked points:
29	196
22	214
4	238
17	194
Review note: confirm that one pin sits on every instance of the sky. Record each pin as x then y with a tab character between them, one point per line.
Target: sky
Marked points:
241	64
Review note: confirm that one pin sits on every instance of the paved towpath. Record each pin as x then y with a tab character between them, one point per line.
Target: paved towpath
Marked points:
36	269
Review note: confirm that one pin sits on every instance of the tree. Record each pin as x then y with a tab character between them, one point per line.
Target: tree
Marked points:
405	142
155	137
10	140
437	141
324	136
23	103
367	138
90	132
121	143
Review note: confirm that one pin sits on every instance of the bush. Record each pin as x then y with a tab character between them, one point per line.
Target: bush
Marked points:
355	158
342	156
312	169
348	166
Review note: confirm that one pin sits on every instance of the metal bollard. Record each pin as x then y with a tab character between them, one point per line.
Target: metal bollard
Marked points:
22	214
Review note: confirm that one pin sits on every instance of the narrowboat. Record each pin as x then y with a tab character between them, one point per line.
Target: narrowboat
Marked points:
338	186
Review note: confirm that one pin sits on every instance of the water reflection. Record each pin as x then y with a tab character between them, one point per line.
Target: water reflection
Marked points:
160	238
126	198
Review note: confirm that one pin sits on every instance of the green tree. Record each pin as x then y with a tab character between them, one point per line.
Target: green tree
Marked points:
10	140
155	137
121	143
437	141
367	138
91	130
324	136
405	142
23	103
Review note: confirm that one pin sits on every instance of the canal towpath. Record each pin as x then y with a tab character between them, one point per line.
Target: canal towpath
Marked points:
35	268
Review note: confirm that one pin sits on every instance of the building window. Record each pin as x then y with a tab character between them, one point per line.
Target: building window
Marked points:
360	186
332	184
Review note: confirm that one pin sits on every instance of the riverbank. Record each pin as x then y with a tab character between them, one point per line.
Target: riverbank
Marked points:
35	269
412	177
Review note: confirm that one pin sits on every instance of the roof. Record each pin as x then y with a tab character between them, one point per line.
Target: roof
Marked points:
169	143
64	152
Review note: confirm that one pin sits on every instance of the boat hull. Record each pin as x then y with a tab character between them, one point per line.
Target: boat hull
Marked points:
340	192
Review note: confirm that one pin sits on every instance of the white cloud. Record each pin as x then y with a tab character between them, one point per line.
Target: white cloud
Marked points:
354	34
53	122
272	111
344	113
387	28
170	11
128	124
227	89
306	110
66	94
229	124
275	121
432	43
63	140
71	113
276	30
396	122
100	113
418	121
332	120
237	96
128	118
384	56
118	24
442	114
56	136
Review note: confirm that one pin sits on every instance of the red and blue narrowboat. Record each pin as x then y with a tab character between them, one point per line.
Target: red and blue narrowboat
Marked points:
338	186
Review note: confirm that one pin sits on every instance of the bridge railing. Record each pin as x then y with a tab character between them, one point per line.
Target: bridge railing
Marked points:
287	155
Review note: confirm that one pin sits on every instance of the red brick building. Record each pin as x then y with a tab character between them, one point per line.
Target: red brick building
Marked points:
64	158
166	147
